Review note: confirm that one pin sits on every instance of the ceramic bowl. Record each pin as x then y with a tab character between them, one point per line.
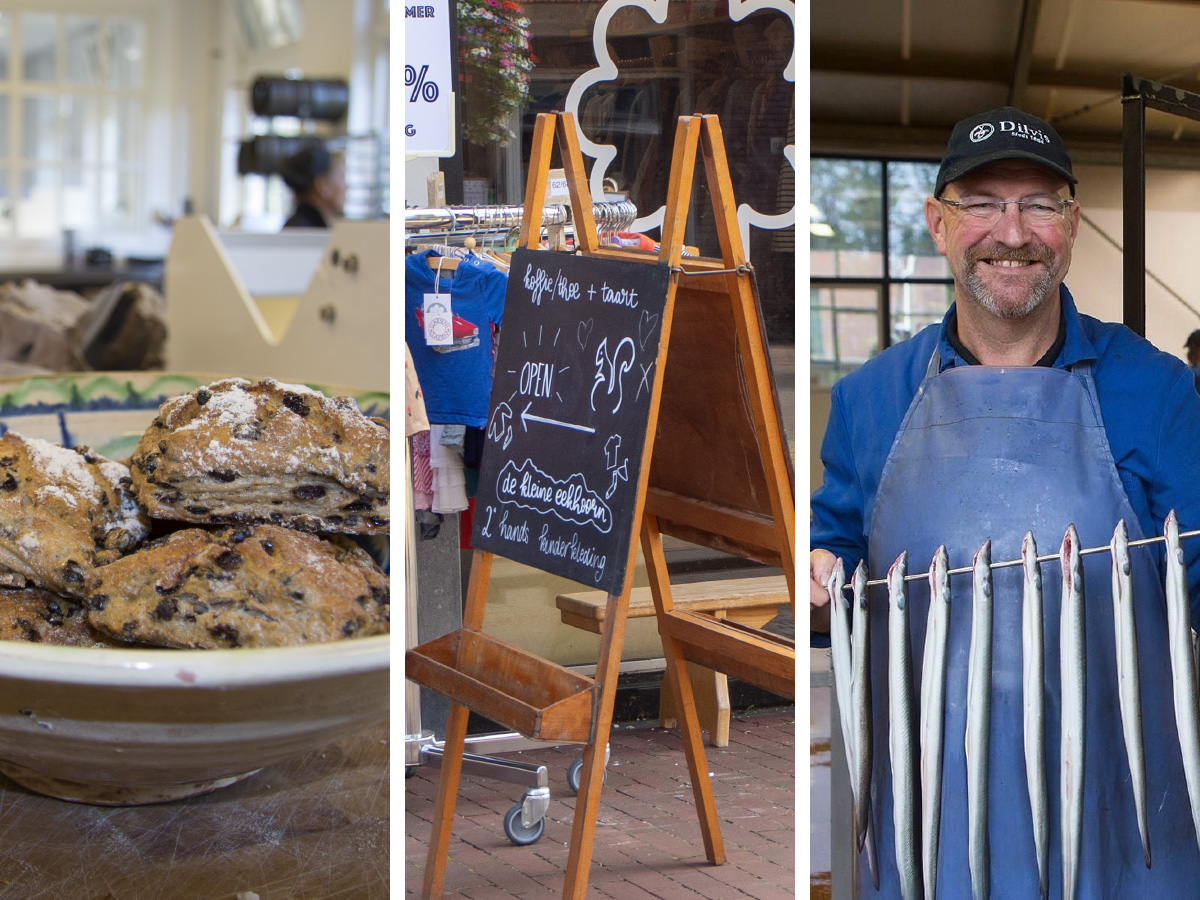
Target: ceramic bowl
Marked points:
123	727
129	726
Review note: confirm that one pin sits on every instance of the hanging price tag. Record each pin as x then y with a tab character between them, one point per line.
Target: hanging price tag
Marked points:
439	321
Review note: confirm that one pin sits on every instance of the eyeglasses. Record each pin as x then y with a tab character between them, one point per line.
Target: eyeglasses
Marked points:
1035	210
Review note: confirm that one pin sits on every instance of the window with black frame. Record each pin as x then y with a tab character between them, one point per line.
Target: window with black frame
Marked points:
875	275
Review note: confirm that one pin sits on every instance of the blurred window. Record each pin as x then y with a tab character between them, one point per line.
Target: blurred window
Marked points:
72	103
875	275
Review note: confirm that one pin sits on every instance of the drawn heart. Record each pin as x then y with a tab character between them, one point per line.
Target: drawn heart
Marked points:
583	332
646	327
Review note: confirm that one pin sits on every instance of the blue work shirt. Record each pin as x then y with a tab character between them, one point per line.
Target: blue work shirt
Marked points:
1148	403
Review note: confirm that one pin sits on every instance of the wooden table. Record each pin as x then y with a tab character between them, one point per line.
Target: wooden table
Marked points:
313	827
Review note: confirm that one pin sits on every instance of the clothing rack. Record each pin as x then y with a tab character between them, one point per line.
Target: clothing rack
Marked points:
610	216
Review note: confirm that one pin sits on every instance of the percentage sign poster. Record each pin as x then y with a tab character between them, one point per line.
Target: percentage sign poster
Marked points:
575	370
428	89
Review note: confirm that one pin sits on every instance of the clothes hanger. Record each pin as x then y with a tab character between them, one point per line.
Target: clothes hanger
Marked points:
446	261
501	261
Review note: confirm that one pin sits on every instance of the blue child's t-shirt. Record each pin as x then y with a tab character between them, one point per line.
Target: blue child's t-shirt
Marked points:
457	385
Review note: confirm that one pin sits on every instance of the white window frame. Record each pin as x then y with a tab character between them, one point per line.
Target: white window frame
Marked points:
103	228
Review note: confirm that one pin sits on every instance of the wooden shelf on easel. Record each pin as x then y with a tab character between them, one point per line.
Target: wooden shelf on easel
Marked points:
526	693
750	654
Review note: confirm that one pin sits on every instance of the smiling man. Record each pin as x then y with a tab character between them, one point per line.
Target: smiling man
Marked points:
1019	414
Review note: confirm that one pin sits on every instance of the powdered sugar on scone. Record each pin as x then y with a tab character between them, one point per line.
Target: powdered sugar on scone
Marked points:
66	472
293	388
225	410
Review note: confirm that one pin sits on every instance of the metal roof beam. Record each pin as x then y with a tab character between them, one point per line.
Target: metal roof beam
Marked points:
993	69
892	140
1030	12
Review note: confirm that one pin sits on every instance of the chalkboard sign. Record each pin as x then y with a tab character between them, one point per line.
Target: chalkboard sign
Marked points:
575	372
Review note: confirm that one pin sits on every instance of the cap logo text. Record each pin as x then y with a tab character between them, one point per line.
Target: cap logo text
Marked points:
1024	131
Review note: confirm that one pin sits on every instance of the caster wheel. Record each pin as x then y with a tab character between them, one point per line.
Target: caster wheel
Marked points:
516	831
575	775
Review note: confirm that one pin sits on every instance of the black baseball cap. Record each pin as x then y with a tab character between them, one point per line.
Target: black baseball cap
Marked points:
1193	340
1004	133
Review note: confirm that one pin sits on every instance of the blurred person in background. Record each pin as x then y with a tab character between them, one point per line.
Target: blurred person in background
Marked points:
318	180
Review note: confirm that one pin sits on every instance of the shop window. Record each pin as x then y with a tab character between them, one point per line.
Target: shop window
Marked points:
698	60
71	109
876	275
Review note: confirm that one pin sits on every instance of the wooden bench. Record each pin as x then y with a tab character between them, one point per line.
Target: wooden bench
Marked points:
747	601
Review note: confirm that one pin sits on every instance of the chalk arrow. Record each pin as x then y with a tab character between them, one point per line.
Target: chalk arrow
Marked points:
527	417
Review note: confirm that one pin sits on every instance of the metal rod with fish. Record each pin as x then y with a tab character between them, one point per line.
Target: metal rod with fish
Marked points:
1033	689
1073	673
860	706
902	734
1183	675
979	711
1128	676
933	705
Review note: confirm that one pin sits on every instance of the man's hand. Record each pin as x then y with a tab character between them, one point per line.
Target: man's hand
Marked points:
820	567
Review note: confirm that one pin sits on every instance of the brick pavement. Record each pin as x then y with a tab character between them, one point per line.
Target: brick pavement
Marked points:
648	844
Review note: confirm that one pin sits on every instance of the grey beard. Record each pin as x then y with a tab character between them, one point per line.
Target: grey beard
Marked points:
978	292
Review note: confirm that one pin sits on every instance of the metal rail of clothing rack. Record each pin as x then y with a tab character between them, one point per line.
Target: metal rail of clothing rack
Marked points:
456	223
525	822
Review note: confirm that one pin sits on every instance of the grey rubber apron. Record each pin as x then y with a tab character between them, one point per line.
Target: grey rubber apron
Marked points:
989	452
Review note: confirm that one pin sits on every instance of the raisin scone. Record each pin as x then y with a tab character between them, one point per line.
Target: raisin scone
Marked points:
62	512
41	617
241	586
236	452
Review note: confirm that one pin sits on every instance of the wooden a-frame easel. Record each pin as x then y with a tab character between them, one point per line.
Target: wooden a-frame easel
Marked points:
750	511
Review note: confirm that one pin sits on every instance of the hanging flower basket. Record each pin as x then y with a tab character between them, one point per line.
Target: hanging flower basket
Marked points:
494	65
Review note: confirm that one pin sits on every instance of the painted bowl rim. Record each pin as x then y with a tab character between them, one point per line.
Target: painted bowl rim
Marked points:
149	668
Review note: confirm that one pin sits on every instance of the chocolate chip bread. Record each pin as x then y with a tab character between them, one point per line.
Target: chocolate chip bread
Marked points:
38	616
62	512
242	586
241	453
